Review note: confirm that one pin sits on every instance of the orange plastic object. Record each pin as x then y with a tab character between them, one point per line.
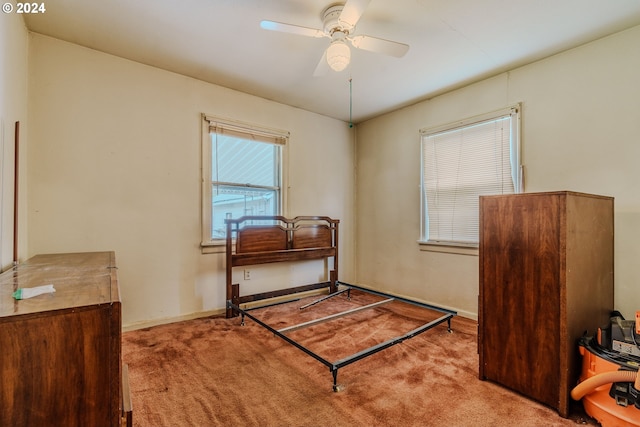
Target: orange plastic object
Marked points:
598	404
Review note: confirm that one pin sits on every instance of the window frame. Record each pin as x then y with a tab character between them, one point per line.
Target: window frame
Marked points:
469	248
209	244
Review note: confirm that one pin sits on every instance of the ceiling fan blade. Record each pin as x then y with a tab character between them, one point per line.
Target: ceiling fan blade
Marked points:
292	29
323	67
352	11
374	44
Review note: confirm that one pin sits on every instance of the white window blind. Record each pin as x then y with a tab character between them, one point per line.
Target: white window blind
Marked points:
462	162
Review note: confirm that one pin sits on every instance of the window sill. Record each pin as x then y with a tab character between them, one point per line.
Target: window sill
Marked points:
213	248
449	248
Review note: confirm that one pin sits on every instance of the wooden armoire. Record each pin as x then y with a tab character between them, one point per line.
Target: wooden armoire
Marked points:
546	278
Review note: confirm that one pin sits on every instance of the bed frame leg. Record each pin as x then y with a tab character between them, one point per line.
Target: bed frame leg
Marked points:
449	326
235	298
333	280
242	319
336	387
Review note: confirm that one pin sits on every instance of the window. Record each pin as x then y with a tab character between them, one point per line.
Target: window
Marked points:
242	174
460	162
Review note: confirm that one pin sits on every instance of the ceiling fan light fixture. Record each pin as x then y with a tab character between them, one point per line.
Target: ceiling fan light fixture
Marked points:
339	22
338	55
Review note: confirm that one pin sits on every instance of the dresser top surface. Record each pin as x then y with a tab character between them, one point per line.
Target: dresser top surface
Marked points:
79	279
546	194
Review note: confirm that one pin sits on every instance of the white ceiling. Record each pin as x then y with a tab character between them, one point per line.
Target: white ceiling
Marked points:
452	43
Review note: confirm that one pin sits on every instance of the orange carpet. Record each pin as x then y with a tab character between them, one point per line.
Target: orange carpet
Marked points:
215	372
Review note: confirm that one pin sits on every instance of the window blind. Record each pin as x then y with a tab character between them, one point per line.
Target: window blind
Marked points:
247	132
460	164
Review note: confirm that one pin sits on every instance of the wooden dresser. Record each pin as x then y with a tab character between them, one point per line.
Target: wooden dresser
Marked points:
546	278
60	353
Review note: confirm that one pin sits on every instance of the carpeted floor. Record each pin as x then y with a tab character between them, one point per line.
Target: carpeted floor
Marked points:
214	372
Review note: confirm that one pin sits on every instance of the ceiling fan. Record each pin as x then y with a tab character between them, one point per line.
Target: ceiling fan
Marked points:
339	23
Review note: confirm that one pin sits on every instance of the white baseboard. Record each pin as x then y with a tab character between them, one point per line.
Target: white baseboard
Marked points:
221	311
166	320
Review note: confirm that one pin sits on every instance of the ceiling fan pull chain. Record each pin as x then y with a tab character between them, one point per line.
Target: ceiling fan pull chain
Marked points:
350	104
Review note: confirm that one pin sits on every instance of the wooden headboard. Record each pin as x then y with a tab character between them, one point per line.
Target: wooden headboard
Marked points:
253	240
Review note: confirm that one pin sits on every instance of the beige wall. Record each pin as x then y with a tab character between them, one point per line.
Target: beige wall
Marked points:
13	108
580	132
114	164
114	154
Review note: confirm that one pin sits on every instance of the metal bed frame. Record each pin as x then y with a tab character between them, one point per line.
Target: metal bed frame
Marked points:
342	287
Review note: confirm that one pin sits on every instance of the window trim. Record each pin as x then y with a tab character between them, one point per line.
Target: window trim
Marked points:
468	248
266	134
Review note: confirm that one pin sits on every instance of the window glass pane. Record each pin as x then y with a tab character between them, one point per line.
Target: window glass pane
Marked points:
243	161
234	202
